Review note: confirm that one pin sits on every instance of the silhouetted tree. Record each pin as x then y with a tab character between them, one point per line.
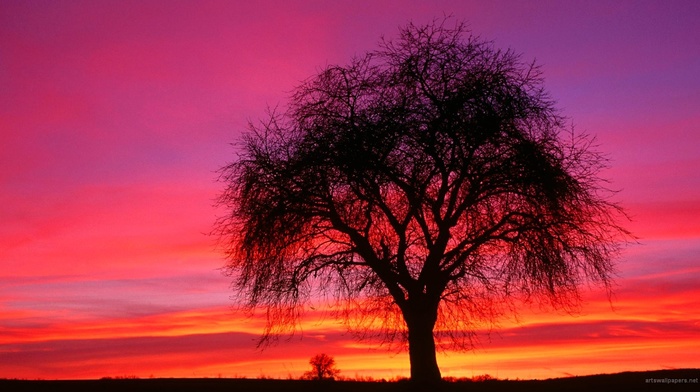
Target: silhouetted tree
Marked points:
427	187
322	368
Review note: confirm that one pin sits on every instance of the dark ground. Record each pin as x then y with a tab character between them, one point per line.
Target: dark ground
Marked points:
661	380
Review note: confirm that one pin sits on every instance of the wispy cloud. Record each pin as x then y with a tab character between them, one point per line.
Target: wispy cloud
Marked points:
115	118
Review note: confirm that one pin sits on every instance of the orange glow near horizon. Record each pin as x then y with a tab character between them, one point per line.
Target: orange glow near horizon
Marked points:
201	343
114	118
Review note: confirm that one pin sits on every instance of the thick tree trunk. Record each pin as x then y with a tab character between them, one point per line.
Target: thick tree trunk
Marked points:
421	346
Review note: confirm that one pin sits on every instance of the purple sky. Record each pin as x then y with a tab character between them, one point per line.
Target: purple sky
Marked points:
115	115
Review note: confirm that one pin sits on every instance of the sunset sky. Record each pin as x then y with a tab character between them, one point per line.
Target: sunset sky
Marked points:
116	115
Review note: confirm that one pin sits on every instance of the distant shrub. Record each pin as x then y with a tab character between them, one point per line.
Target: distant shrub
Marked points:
483	377
130	377
456	379
361	378
322	368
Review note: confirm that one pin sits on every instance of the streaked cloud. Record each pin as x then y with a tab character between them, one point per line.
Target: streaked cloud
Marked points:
114	118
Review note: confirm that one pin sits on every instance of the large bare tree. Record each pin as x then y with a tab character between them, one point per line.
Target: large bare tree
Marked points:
426	187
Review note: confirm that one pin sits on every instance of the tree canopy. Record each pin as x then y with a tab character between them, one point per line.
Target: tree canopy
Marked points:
426	187
322	368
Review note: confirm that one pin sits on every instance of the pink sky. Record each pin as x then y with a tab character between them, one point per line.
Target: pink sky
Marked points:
115	115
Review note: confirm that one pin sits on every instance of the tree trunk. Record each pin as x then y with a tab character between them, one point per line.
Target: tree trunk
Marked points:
421	347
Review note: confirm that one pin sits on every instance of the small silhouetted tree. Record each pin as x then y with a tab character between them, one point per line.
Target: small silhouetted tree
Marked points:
322	368
428	187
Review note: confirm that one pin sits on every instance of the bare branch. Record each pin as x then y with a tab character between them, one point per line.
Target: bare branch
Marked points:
426	187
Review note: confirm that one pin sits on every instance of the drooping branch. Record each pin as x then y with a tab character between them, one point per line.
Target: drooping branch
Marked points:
432	177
